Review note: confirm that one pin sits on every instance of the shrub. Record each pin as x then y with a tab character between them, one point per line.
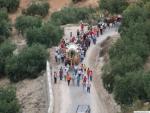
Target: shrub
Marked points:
4	25
49	35
6	50
11	5
26	22
146	80
8	101
3	14
113	6
38	9
128	55
124	91
131	87
75	1
27	64
71	15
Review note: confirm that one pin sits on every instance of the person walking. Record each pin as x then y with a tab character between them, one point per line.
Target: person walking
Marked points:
62	57
73	78
101	30
61	73
78	80
75	69
94	39
82	27
68	78
88	87
56	54
84	82
65	72
78	34
55	77
84	67
91	75
59	57
88	73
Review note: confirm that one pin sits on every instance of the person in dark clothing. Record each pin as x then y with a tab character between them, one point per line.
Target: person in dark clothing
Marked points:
55	77
61	73
78	34
101	30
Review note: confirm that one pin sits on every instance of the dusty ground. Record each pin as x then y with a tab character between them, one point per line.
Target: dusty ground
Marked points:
88	3
56	5
4	82
59	4
31	95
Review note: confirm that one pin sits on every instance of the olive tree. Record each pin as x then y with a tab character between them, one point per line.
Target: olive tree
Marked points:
27	64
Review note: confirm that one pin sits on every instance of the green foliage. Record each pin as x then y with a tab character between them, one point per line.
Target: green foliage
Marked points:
71	15
147	8
147	85
27	64
128	56
8	101
124	92
3	14
108	78
49	34
38	9
26	22
4	29
75	1
113	6
6	50
4	25
11	5
133	14
130	88
32	60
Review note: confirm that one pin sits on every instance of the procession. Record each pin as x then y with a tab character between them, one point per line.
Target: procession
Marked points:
71	51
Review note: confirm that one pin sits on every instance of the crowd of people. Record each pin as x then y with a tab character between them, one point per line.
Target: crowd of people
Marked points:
78	73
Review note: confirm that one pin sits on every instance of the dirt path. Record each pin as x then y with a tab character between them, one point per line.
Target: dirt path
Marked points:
23	5
59	4
68	98
56	5
87	3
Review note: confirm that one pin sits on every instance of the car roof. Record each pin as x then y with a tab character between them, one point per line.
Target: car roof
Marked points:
82	108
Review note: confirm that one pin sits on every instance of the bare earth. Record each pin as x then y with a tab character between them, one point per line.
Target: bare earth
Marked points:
56	5
59	4
88	3
31	95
